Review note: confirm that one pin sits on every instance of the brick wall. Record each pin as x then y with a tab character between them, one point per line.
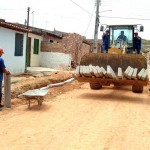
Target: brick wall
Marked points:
71	43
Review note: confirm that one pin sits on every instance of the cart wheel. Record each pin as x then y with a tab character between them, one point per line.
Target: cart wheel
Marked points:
137	88
95	86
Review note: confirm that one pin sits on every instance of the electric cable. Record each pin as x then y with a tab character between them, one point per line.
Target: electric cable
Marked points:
81	7
126	18
88	24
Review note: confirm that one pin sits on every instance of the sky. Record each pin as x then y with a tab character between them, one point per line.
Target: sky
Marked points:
77	16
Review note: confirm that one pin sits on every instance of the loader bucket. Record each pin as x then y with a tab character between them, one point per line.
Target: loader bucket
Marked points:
114	60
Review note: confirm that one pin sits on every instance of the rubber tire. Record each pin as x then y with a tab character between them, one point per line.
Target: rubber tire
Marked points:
137	88
95	86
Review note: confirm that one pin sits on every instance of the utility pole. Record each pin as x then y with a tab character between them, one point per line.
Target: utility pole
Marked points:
95	44
27	25
28	11
32	18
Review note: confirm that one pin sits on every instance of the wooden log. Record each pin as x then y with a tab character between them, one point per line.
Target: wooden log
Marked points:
134	73
144	75
120	75
140	73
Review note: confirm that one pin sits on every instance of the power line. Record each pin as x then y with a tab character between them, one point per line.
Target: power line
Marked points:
126	18
81	7
88	24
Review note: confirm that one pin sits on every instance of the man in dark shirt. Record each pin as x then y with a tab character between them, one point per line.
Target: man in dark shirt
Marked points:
137	43
105	41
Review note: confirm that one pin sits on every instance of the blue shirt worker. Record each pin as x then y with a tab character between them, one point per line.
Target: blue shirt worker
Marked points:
137	43
122	37
2	70
105	41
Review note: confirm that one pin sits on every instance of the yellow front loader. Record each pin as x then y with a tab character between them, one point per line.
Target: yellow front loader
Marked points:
120	66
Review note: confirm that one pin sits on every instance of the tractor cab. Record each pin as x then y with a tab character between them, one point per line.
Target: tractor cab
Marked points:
121	36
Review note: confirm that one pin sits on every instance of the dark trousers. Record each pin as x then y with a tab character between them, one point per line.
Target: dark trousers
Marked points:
138	51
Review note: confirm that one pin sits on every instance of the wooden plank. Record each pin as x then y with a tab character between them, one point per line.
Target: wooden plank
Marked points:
144	75
140	73
134	73
120	75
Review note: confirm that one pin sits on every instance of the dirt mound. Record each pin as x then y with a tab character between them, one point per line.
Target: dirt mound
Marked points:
34	82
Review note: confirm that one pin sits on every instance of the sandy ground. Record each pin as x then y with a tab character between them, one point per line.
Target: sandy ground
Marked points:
74	117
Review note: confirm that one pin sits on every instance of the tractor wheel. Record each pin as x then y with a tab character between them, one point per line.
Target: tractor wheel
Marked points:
137	88
95	86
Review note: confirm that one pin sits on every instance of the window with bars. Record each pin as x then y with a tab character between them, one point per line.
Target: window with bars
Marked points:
18	44
36	46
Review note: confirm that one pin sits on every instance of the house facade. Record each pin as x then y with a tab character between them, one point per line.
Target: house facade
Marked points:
33	50
13	41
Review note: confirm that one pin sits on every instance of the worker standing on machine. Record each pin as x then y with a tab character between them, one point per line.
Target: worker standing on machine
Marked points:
105	41
137	43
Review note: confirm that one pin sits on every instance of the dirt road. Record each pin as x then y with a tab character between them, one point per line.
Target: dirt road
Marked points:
81	119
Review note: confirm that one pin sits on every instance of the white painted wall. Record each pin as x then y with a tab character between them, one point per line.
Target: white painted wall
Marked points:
35	58
51	59
15	64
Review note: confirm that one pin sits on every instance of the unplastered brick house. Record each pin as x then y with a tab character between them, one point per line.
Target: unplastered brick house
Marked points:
71	44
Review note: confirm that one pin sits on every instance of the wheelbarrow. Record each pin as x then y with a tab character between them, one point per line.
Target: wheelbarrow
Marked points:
38	94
